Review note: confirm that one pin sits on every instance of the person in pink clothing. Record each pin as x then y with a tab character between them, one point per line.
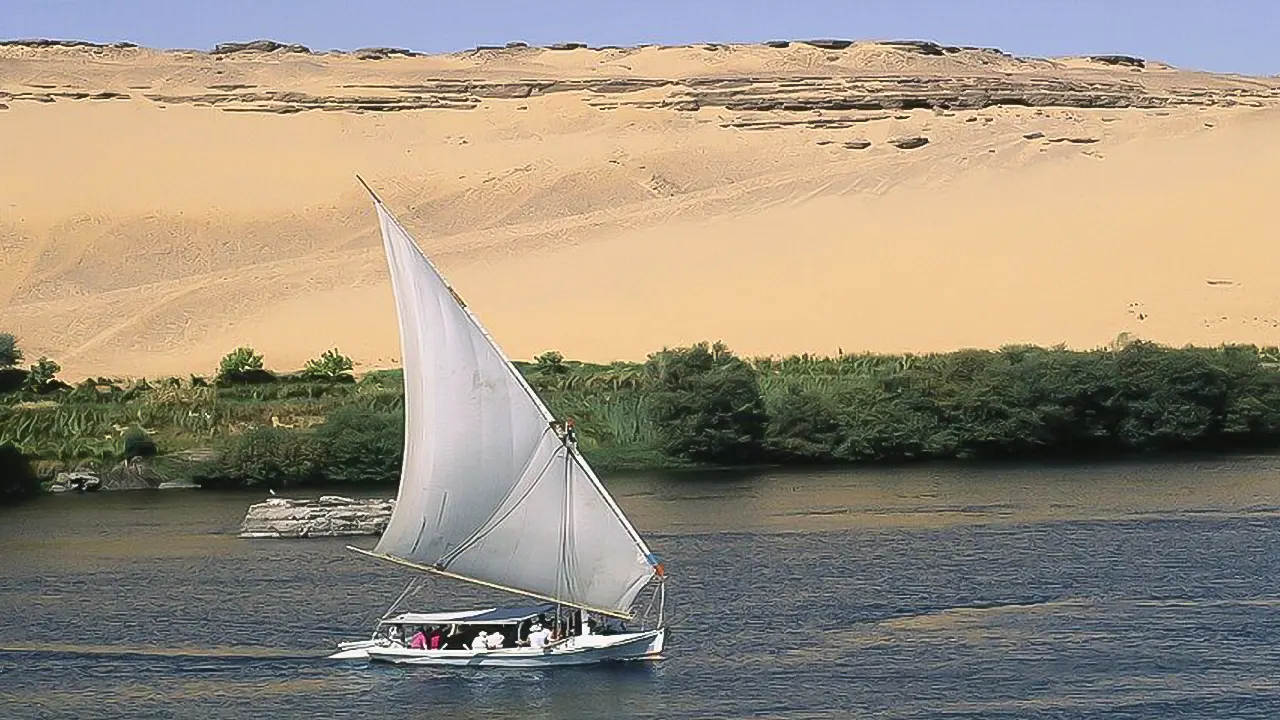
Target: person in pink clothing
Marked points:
418	641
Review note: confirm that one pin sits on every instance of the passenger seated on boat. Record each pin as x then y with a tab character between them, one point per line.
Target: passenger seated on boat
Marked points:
455	640
393	634
494	640
435	638
538	636
419	640
481	642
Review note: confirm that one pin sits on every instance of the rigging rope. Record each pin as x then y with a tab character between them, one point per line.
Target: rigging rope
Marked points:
413	586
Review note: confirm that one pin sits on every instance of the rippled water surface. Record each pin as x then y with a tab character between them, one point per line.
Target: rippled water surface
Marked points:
1132	591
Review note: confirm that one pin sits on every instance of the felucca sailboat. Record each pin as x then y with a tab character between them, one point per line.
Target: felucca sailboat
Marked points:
493	491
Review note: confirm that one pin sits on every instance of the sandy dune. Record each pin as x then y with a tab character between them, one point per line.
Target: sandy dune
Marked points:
159	208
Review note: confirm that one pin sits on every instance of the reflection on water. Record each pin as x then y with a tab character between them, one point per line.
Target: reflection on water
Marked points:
946	496
1145	591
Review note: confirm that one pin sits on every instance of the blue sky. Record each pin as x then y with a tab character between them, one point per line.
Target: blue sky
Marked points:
1220	35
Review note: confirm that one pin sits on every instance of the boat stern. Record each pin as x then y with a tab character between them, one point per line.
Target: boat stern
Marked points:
356	650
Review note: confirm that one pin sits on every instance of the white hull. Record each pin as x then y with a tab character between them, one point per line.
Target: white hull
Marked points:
583	650
355	650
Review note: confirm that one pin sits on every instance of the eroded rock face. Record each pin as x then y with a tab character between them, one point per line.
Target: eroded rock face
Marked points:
828	43
46	42
327	516
258	46
382	53
843	77
736	94
909	143
1125	60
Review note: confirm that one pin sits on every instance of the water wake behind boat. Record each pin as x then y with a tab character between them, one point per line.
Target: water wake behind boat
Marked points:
204	652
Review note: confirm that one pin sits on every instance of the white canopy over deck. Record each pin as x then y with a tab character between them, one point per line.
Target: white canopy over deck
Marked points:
488	616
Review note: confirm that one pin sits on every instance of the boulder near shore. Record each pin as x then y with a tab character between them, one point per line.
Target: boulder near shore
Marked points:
326	516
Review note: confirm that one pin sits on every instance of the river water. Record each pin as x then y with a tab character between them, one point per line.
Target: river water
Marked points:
1118	591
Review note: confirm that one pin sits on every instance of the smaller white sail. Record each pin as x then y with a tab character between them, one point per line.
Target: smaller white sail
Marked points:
489	492
556	535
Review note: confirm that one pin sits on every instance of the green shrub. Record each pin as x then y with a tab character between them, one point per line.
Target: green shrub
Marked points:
12	379
137	443
331	366
551	363
42	378
265	456
18	479
707	404
361	446
804	426
10	353
242	366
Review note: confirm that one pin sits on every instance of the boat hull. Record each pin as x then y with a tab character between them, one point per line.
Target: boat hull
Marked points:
355	650
586	650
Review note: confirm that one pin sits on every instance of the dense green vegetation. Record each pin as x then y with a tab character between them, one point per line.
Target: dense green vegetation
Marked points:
18	479
685	406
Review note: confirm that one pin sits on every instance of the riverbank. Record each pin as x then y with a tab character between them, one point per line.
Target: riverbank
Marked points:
690	407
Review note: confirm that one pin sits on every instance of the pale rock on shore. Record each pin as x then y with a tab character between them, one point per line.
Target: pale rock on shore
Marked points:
327	516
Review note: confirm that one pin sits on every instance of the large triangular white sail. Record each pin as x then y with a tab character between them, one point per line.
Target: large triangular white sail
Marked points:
489	491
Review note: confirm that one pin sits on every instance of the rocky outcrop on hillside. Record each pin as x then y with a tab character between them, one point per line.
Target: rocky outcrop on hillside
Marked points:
909	143
327	516
1126	60
382	53
800	77
799	95
46	43
55	95
265	46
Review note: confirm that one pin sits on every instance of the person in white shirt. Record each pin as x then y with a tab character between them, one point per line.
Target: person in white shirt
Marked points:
481	641
538	636
494	641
